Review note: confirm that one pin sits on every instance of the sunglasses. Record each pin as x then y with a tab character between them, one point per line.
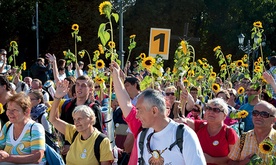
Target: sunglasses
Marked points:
97	86
263	114
216	110
107	86
170	93
195	110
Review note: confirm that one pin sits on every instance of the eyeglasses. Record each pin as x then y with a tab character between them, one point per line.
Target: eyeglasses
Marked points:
216	110
195	110
263	114
170	93
4	54
107	86
97	86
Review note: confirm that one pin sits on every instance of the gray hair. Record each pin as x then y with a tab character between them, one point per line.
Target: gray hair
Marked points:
219	103
153	98
87	111
268	106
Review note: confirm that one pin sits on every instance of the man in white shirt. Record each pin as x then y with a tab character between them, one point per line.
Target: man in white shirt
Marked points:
3	62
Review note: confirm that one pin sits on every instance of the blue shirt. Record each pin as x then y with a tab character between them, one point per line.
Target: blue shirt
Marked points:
248	123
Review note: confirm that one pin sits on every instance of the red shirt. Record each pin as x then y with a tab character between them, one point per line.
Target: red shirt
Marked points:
218	145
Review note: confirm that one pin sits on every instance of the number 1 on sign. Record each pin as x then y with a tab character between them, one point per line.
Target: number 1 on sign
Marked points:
160	37
159	42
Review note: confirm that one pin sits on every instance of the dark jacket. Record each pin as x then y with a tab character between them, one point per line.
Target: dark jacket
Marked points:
40	72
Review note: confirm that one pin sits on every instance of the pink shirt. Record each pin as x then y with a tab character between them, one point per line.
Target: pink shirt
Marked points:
135	126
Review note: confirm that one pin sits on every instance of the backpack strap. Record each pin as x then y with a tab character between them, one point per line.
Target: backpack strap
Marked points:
39	118
22	86
74	136
242	140
179	138
8	127
141	145
98	142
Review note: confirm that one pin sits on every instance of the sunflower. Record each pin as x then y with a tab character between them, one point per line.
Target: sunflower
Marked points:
90	66
13	43
232	65
100	64
142	56
200	62
64	53
228	56
105	8
9	78
1	108
258	67
215	87
184	46
245	56
111	44
205	65
256	64
101	49
259	59
216	48
148	62
186	83
81	53
245	65
264	80
174	70
24	67
257	70
240	90
258	24
242	114
199	78
96	53
75	27
266	147
213	74
99	80
204	60
239	63
223	67
132	36
191	73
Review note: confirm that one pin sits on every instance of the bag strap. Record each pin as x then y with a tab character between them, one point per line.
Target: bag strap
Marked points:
141	145
179	138
242	140
8	127
39	118
98	142
74	136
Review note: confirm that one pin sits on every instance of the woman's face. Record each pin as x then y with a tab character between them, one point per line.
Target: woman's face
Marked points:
15	113
214	114
35	101
81	121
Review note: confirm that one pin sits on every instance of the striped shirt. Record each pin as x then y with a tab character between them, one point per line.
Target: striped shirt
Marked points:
251	146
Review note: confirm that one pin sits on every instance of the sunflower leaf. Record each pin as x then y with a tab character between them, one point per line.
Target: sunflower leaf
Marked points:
115	16
10	59
103	35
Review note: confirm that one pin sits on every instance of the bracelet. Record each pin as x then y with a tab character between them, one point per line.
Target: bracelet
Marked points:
56	98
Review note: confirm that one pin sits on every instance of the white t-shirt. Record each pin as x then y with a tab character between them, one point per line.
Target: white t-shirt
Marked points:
192	151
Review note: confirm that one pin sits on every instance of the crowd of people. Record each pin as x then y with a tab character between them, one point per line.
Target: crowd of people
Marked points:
169	124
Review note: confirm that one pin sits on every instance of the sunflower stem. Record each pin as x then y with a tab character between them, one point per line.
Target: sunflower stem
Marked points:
88	56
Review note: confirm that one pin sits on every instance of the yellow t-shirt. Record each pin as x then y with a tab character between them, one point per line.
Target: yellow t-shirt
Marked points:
82	151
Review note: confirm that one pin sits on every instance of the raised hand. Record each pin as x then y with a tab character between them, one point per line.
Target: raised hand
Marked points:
62	88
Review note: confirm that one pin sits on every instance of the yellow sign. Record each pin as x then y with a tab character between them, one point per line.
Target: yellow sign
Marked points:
159	42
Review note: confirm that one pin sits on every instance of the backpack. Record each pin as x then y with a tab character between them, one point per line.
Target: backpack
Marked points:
52	157
45	90
94	106
178	141
49	138
98	141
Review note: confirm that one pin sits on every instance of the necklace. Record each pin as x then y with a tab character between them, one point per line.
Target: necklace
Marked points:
156	157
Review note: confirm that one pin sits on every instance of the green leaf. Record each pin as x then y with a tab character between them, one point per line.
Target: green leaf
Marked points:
103	35
116	17
10	59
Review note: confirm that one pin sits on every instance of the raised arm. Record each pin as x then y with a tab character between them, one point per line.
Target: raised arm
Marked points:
121	93
62	89
270	80
52	59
